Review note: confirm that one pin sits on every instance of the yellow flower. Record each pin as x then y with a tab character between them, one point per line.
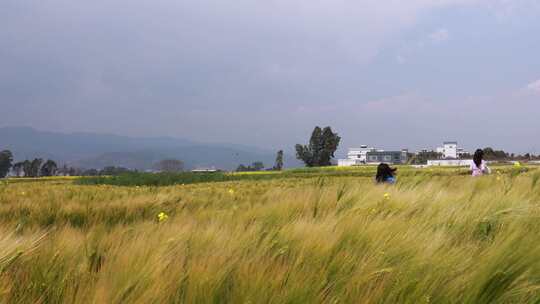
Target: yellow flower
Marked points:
517	164
387	196
162	216
231	191
498	178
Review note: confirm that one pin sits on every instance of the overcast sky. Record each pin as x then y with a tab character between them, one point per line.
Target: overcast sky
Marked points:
390	73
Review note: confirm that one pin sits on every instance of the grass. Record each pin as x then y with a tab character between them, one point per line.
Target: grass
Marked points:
167	179
306	236
40	179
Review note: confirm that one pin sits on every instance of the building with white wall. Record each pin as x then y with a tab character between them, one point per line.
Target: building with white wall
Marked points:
356	156
369	155
389	157
449	149
360	153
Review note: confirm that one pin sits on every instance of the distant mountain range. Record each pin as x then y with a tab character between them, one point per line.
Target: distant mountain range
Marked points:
90	150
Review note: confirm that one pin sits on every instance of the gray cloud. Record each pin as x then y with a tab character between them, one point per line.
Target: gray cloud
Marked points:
259	72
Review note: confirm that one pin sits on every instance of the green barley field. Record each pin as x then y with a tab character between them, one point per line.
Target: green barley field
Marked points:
300	236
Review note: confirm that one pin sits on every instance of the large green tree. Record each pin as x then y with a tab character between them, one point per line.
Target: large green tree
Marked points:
18	169
323	143
330	143
279	161
27	168
49	168
6	161
34	168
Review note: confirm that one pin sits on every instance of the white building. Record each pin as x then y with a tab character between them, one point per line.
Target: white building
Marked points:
368	155
451	155
461	152
356	156
449	149
361	153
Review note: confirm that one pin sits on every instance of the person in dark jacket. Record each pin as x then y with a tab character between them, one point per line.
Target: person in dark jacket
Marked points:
385	174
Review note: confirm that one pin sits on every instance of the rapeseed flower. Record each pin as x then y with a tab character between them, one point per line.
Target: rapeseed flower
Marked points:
387	196
162	216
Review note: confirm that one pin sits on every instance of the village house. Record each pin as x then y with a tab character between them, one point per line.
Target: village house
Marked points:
371	156
450	150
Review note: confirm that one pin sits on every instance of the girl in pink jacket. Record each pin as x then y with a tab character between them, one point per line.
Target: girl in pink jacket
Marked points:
479	166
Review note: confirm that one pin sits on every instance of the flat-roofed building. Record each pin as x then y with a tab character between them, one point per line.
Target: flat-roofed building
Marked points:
389	157
450	150
369	155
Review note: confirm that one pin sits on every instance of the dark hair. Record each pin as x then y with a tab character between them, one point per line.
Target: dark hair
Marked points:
384	172
478	156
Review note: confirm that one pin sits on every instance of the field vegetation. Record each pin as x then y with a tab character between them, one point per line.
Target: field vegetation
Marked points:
300	236
167	179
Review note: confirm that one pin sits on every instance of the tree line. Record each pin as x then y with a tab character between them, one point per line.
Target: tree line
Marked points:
259	166
38	167
27	168
492	154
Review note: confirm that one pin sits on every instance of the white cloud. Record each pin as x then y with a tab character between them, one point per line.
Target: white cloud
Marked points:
512	10
439	35
534	87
